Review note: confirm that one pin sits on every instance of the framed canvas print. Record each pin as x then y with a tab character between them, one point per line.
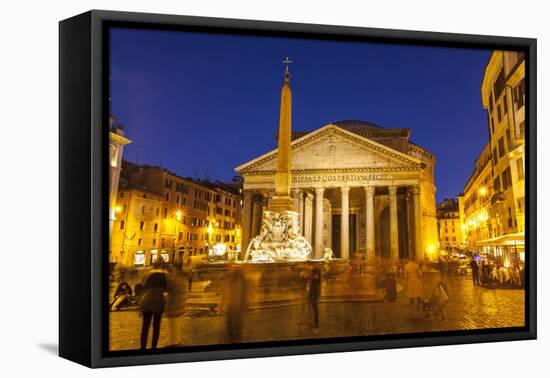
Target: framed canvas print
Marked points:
233	188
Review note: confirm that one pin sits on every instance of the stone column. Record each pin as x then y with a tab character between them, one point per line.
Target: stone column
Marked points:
318	249
308	217
394	237
246	220
296	195
344	224
300	210
369	222
417	211
270	195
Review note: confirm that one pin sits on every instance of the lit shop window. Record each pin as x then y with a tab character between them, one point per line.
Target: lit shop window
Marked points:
139	258
154	255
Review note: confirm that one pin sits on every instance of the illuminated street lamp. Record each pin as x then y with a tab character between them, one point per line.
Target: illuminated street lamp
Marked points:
483	191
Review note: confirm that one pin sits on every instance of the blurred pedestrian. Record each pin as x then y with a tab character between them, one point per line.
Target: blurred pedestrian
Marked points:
475	271
413	277
315	280
175	304
235	304
390	288
123	293
522	276
152	303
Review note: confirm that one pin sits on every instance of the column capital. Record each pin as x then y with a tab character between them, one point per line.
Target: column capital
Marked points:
247	193
319	191
309	196
369	190
392	189
415	190
345	189
296	192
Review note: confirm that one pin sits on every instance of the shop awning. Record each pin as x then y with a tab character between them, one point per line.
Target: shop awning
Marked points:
509	239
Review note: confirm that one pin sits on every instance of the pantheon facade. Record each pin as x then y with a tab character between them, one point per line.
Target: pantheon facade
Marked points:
358	187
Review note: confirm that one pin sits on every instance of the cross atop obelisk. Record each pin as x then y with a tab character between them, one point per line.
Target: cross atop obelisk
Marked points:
287	63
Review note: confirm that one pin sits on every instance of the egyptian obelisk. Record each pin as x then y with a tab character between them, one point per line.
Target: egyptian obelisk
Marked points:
282	201
280	239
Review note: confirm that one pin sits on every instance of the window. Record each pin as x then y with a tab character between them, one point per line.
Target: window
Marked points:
508	140
454	238
498	86
168	184
121	194
496	184
495	156
122	225
499	114
491	103
501	150
492	125
522	130
142	209
510	219
519	94
506	178
139	241
141	225
167	196
446	238
165	214
156	227
154	242
157	211
162	243
178	199
519	168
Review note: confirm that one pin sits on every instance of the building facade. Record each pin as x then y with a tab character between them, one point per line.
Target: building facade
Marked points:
117	141
476	201
163	214
495	193
449	225
356	182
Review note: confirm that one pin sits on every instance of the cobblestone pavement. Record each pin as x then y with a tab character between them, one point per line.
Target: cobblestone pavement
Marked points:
470	307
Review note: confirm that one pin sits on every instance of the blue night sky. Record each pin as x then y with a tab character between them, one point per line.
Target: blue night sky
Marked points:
202	104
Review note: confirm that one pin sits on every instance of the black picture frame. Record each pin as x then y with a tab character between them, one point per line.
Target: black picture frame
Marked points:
83	179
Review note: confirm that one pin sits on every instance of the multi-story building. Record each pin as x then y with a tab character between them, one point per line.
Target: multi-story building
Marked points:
136	231
494	197
448	224
189	217
476	201
117	141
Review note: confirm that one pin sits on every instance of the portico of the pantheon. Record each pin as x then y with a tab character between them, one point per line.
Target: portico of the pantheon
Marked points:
358	188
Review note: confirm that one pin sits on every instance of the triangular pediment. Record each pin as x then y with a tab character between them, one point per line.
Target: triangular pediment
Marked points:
333	148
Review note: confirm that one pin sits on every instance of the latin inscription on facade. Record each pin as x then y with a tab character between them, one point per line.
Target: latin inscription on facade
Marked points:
338	178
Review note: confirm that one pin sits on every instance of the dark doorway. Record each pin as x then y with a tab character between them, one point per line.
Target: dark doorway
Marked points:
336	234
384	235
384	247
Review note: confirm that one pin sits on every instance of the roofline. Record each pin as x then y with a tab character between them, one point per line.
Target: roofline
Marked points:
330	125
